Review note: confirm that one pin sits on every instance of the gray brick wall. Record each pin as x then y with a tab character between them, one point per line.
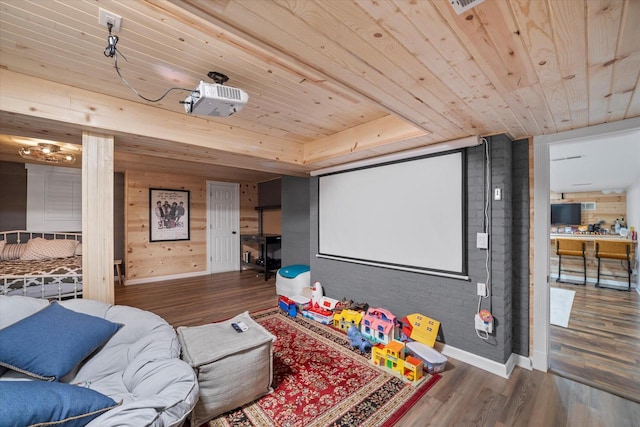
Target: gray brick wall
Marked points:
502	247
452	302
295	221
520	258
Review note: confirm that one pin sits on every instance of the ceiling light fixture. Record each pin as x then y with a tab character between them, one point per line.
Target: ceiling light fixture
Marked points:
47	153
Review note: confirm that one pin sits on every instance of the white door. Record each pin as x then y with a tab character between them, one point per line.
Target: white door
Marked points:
224	222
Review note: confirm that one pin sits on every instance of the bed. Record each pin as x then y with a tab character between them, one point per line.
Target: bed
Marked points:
41	264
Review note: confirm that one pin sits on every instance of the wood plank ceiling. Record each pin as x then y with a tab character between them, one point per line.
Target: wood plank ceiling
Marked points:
329	81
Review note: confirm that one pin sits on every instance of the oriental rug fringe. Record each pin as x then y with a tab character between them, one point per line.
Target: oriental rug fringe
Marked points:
320	380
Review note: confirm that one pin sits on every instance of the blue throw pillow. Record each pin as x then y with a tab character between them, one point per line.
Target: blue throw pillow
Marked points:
25	403
50	343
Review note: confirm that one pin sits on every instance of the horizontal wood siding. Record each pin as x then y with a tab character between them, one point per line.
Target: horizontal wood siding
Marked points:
145	259
248	213
609	207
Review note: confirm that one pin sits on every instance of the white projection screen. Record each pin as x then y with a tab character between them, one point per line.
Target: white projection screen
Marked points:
408	215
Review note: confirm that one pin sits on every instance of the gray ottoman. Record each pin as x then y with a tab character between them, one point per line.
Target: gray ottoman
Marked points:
232	368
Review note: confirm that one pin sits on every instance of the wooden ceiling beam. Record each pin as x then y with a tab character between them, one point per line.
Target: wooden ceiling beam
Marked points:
376	133
143	129
31	96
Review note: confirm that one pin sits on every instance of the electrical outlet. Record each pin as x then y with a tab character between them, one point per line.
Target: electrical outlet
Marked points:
483	326
482	289
497	194
105	17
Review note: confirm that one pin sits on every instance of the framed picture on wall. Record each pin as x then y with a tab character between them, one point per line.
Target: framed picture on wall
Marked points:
168	215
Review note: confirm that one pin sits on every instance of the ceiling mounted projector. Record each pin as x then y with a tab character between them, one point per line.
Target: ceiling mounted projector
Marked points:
215	99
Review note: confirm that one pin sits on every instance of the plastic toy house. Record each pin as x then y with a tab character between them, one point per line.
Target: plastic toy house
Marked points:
392	357
420	328
347	318
380	326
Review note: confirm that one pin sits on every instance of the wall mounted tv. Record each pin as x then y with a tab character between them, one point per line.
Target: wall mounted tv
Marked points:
566	214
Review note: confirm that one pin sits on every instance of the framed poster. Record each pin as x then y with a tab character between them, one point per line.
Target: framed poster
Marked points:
168	215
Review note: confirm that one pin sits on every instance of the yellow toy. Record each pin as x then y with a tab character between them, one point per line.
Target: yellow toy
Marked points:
393	357
347	318
419	327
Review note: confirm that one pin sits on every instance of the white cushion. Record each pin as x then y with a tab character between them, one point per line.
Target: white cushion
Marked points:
39	248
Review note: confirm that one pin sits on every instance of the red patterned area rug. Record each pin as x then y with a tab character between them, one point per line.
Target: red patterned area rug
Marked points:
319	380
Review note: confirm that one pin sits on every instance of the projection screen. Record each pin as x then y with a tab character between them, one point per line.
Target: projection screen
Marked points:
407	215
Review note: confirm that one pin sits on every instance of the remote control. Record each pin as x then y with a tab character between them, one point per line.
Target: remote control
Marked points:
240	327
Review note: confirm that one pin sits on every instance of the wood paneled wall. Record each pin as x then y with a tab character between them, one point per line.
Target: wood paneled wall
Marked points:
608	206
248	213
145	259
272	221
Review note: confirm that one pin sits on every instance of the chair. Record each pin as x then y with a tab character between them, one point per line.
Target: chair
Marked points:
117	264
621	250
571	247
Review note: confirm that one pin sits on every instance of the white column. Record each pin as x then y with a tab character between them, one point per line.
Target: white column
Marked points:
97	217
541	195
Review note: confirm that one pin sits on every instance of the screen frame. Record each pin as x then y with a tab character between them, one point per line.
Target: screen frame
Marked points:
464	264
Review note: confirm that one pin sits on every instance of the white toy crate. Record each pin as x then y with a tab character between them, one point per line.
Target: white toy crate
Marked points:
434	361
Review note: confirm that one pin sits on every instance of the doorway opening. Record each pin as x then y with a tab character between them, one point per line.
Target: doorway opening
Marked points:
603	329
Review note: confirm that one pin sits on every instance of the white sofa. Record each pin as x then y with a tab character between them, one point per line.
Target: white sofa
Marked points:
138	366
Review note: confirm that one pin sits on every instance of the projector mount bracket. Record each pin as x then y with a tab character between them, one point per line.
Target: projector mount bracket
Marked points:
217	77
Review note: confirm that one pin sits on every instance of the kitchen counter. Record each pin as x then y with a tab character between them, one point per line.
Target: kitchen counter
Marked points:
590	237
613	272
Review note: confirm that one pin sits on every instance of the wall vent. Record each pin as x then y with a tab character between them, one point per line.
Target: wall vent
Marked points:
588	206
461	6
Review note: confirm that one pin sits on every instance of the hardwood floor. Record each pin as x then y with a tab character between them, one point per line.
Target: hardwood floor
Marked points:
465	396
203	299
601	346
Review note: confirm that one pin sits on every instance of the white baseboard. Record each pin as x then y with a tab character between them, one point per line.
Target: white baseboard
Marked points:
540	361
503	370
128	282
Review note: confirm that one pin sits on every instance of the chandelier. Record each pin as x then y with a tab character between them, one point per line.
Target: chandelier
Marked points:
48	153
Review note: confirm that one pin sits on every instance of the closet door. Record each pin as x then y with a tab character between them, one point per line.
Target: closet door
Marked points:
224	223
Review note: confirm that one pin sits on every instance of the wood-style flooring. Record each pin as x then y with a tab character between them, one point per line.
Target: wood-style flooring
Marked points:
465	396
601	346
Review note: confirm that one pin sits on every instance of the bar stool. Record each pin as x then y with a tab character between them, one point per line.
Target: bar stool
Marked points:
571	247
614	250
117	263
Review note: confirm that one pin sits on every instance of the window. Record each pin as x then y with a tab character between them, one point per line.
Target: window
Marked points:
54	198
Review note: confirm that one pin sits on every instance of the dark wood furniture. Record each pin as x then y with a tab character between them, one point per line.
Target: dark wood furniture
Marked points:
267	244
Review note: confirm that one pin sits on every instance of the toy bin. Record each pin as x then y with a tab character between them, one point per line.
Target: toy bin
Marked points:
434	362
292	280
302	302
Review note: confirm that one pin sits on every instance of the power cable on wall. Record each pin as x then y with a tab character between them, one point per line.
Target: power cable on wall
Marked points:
111	51
487	230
